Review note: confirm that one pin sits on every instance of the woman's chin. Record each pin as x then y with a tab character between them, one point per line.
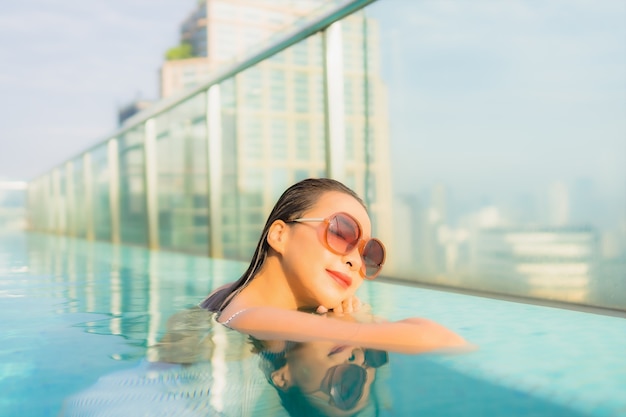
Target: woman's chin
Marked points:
331	303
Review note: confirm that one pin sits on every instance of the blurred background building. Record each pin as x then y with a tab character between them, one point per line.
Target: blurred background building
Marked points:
540	262
218	32
129	110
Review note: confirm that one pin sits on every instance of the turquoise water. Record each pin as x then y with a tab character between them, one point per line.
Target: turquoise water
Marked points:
78	322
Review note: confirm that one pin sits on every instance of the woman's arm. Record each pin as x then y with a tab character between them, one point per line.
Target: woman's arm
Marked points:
412	335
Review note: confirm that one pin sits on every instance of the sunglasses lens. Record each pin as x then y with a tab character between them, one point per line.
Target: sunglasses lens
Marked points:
342	236
373	257
343	233
346	387
375	358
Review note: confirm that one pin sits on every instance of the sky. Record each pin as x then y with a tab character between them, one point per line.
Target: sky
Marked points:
506	95
65	68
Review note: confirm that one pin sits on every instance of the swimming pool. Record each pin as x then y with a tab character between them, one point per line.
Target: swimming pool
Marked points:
77	318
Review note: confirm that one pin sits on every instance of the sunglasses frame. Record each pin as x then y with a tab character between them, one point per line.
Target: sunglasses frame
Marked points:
372	359
360	243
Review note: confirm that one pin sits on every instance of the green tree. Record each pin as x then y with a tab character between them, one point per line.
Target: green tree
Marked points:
182	51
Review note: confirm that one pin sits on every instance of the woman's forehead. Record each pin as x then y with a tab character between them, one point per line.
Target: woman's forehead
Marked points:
334	201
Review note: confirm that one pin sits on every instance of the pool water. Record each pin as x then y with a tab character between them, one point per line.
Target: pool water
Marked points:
79	321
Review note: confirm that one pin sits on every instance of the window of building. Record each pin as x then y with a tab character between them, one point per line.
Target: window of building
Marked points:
301	92
279	139
303	143
278	90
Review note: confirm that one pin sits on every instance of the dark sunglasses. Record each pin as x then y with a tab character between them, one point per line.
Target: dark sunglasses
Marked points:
346	382
342	233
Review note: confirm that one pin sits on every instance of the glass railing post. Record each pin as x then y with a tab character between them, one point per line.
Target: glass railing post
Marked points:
114	189
89	206
56	202
214	170
70	198
150	178
46	192
334	106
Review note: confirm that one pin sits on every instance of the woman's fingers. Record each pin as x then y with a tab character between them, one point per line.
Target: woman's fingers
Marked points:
321	310
351	304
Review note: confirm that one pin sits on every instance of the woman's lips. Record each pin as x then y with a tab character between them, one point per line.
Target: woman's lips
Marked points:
343	279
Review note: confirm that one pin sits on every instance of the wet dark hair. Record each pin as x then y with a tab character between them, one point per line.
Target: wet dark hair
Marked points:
295	201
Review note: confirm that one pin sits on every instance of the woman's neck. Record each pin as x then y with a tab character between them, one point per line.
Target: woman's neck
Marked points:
269	287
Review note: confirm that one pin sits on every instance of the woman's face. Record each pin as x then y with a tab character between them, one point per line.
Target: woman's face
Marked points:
319	277
308	368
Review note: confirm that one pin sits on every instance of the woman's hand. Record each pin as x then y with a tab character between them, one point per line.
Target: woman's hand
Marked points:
350	305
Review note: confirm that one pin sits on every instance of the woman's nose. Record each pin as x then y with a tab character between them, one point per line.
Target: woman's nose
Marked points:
357	357
353	260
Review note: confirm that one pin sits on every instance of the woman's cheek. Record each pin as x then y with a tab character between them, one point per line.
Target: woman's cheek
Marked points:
331	297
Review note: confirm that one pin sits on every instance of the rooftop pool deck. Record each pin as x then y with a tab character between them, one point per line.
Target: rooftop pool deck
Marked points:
77	319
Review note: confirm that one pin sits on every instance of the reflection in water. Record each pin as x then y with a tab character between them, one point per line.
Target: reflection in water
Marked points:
313	378
133	289
199	366
321	378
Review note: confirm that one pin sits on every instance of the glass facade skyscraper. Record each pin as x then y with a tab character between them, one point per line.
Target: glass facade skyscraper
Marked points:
222	31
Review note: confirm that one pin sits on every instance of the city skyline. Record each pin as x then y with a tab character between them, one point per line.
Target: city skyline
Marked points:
586	203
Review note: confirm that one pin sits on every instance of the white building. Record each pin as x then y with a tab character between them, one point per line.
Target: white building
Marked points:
220	31
556	262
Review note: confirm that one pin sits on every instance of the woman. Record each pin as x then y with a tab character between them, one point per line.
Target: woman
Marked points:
315	251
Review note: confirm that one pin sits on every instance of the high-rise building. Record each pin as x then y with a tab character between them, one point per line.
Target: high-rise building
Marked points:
548	262
219	31
274	113
129	110
559	204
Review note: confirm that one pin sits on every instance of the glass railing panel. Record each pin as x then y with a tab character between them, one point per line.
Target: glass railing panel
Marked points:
33	197
78	198
181	140
50	202
101	177
13	199
266	26
43	206
367	162
506	130
229	198
272	136
133	213
60	205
